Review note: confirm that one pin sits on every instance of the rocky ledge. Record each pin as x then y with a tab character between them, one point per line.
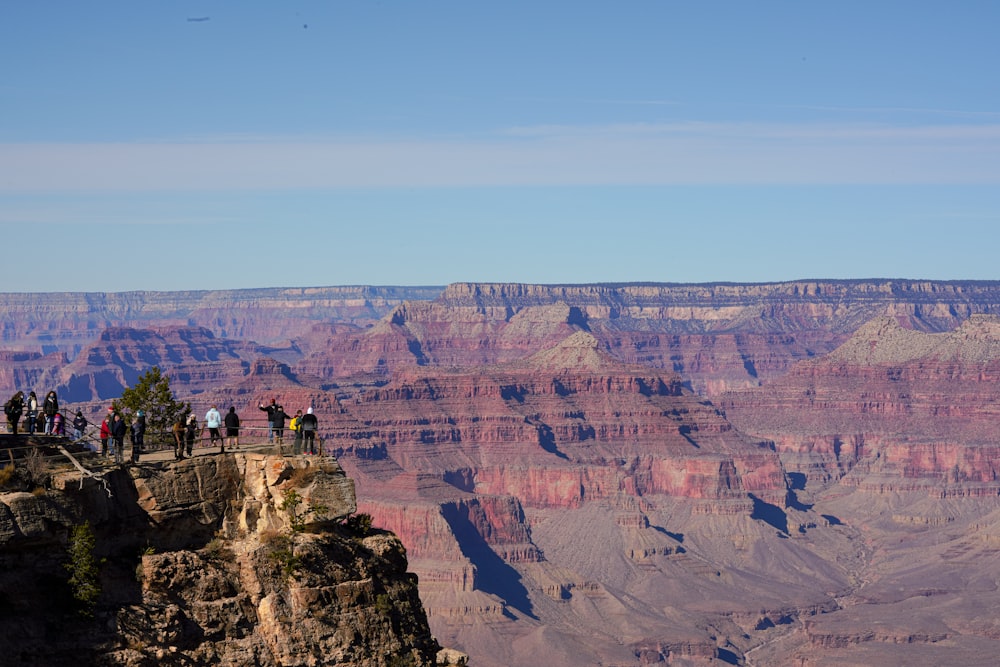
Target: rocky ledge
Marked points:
239	559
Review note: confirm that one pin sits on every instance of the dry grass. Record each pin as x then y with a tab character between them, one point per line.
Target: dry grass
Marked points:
217	549
270	537
6	474
301	477
36	466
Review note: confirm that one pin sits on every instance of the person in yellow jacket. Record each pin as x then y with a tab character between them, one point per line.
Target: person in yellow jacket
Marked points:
296	426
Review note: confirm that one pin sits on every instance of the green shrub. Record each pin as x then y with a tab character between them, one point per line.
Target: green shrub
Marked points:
359	524
290	503
282	552
84	568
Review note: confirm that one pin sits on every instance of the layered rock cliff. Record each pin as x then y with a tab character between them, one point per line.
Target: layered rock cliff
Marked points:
514	486
67	321
917	408
796	473
720	336
225	560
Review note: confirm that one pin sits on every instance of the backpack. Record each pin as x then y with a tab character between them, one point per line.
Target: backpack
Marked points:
294	424
6	408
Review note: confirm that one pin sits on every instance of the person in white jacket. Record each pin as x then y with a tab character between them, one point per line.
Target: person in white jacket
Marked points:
213	422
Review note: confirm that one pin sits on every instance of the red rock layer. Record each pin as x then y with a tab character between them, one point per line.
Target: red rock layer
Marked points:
911	405
563	427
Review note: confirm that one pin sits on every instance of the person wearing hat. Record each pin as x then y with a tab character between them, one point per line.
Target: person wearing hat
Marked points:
309	425
138	434
79	423
279	424
106	432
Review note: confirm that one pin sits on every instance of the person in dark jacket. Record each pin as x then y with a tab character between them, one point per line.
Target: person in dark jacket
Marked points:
308	426
31	412
191	434
279	424
14	408
50	407
138	435
118	431
232	422
79	423
269	409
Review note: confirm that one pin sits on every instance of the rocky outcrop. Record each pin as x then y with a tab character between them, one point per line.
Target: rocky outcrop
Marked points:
229	560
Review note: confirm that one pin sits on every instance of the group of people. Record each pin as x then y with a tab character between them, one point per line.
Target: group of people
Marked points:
113	432
303	426
186	431
36	416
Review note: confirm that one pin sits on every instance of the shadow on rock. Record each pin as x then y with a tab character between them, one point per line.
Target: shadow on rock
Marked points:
494	575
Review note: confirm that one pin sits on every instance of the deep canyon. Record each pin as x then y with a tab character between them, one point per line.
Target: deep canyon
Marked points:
800	473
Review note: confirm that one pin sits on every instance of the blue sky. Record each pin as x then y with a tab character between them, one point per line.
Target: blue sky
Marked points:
350	142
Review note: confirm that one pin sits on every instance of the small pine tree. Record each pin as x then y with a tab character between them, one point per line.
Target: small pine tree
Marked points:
152	394
84	568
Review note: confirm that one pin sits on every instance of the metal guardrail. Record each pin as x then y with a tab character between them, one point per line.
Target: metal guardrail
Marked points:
49	447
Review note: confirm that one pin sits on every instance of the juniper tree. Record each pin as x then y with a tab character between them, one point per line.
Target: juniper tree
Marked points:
152	394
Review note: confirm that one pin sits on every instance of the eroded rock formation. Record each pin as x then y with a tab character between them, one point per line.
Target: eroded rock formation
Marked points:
228	560
912	408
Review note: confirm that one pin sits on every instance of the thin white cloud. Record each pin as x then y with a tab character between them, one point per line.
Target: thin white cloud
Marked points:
665	154
896	111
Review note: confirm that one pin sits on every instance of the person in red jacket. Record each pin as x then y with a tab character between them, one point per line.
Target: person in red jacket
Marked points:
105	434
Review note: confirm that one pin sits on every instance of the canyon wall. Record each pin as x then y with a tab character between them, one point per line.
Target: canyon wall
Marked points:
67	321
796	473
917	407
